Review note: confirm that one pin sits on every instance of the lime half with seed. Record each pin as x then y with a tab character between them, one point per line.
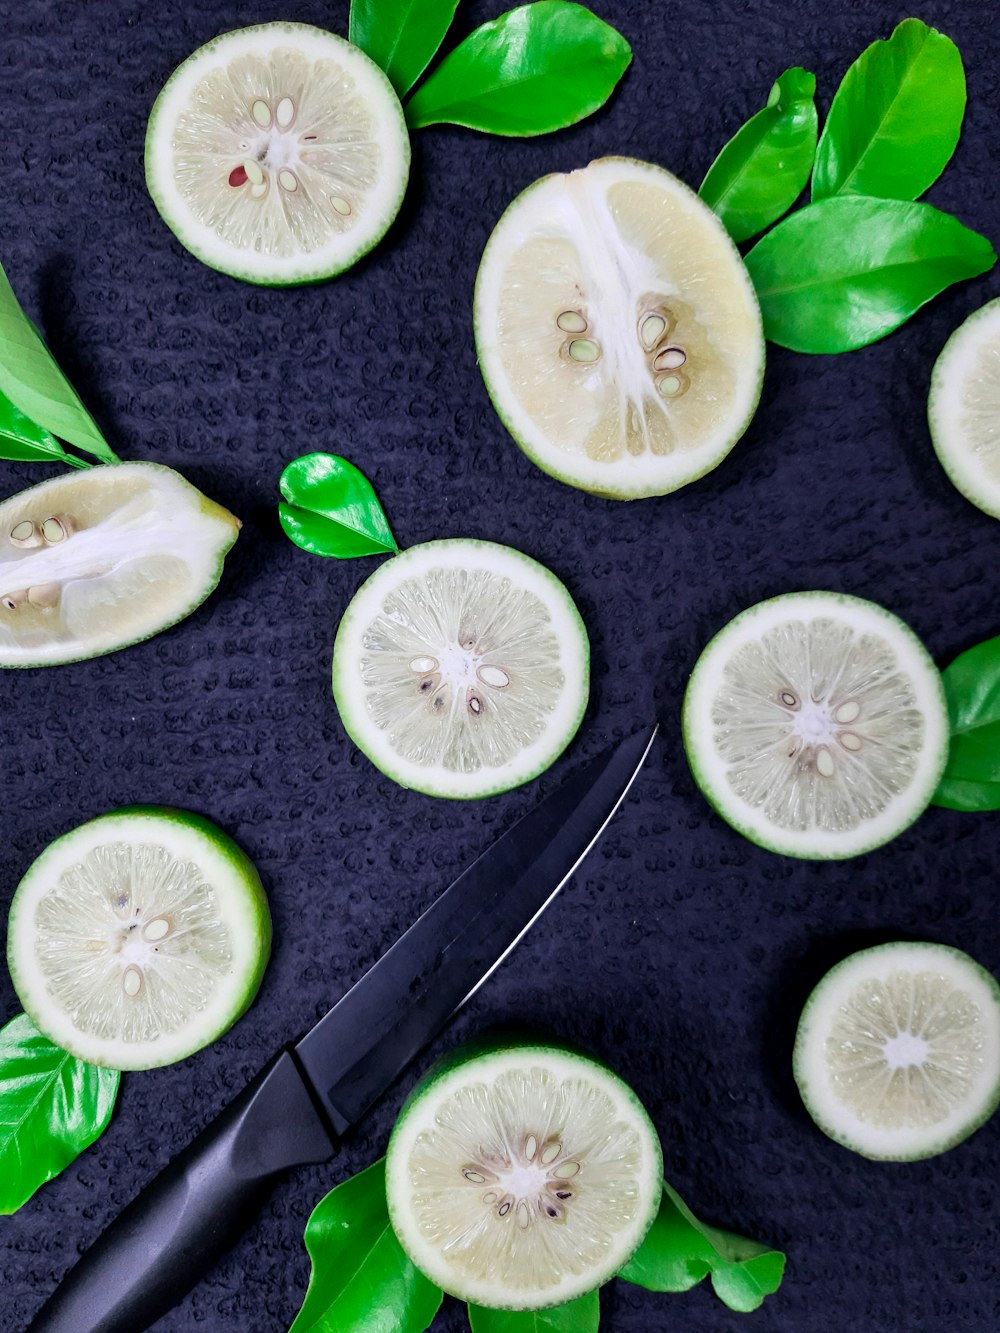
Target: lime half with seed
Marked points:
898	1050
138	938
617	329
964	408
278	153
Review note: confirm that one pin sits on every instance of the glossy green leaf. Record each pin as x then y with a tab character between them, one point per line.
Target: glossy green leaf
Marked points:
845	272
765	166
52	1106
972	687
579	1316
679	1251
23	441
31	380
535	69
362	1280
895	119
401	36
332	509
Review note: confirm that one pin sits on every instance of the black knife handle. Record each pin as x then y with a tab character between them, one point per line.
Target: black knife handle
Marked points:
173	1233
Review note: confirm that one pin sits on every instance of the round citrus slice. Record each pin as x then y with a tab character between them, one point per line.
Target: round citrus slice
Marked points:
138	938
617	329
898	1051
816	724
522	1177
96	560
461	668
278	153
964	408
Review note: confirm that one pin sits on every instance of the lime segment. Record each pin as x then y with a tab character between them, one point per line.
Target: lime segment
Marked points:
964	408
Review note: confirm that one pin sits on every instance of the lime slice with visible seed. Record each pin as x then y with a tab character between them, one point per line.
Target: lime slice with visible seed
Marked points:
461	668
138	938
278	154
964	408
617	329
816	724
898	1051
522	1177
96	560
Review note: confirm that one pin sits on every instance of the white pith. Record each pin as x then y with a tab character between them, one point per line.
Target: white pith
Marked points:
604	242
487	1110
76	936
143	549
898	1050
479	612
345	144
791	777
964	408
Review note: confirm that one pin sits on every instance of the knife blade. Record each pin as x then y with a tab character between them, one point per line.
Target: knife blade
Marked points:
296	1109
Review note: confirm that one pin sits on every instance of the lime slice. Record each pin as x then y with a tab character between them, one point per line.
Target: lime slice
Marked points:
138	938
461	668
898	1051
278	153
816	724
964	408
96	560
522	1177
618	331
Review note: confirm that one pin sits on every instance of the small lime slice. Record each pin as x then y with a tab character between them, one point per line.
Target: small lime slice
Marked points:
897	1055
816	724
278	153
138	938
522	1177
964	408
461	668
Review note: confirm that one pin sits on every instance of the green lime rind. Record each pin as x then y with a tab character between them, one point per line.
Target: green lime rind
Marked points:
944	405
248	916
696	724
811	1030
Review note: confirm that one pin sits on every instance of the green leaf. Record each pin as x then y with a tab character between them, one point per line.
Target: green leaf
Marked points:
52	1106
401	36
579	1316
362	1280
765	166
332	509
679	1251
895	119
535	69
23	441
845	272
31	380
972	687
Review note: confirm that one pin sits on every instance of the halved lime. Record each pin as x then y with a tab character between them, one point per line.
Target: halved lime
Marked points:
278	153
964	408
816	724
618	331
522	1177
138	937
96	560
898	1051
461	668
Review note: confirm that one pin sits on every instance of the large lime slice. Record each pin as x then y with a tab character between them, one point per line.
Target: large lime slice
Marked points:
278	153
461	668
898	1050
96	560
964	408
522	1177
816	724
617	330
138	938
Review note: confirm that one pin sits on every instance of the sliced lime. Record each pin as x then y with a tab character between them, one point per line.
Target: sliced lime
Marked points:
898	1050
964	408
277	153
461	668
138	938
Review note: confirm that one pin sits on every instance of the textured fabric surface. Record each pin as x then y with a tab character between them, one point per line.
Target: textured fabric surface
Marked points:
681	954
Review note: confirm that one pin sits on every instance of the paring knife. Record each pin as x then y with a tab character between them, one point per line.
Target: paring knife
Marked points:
173	1233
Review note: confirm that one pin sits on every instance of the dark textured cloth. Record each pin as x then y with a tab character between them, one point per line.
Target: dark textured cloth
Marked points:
681	954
